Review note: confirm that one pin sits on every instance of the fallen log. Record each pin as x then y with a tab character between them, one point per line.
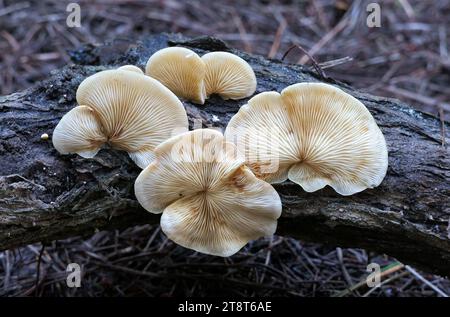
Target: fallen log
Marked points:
46	196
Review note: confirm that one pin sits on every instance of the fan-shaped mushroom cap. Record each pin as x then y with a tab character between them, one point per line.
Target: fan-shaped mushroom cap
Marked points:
131	68
181	70
315	134
78	132
211	202
228	75
131	112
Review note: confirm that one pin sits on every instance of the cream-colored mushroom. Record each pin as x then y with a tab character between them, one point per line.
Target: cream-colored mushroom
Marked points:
315	135
129	111
210	201
228	76
181	70
195	79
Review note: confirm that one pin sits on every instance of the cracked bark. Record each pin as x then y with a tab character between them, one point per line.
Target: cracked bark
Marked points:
46	196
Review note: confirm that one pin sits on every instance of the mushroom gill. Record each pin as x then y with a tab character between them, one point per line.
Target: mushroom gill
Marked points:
195	79
228	76
210	201
313	134
129	111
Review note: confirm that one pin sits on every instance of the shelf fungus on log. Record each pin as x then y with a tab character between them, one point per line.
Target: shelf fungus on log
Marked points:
313	134
123	108
209	200
45	196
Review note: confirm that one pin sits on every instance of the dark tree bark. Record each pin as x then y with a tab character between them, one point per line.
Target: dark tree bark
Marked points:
46	196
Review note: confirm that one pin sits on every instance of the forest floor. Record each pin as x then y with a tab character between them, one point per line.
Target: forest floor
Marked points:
406	58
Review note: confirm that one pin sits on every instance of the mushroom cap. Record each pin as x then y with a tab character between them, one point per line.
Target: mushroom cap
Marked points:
181	70
129	111
79	132
228	75
211	202
131	68
314	134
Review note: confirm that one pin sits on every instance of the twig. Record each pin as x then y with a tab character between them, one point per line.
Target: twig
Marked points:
267	261
335	62
386	281
408	8
424	280
15	7
316	66
7	270
442	119
418	97
242	31
324	40
152	237
340	257
127	269
38	270
278	35
394	267
443	49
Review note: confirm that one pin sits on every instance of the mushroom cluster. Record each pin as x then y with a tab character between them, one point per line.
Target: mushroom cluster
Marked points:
209	200
213	190
196	78
313	134
123	108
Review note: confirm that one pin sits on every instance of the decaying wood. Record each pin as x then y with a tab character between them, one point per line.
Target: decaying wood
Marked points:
46	196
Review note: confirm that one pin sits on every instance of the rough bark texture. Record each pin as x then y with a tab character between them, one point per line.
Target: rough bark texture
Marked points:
46	196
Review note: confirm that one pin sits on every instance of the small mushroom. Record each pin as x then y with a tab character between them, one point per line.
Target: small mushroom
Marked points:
195	79
181	70
128	111
131	68
315	135
210	201
228	76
